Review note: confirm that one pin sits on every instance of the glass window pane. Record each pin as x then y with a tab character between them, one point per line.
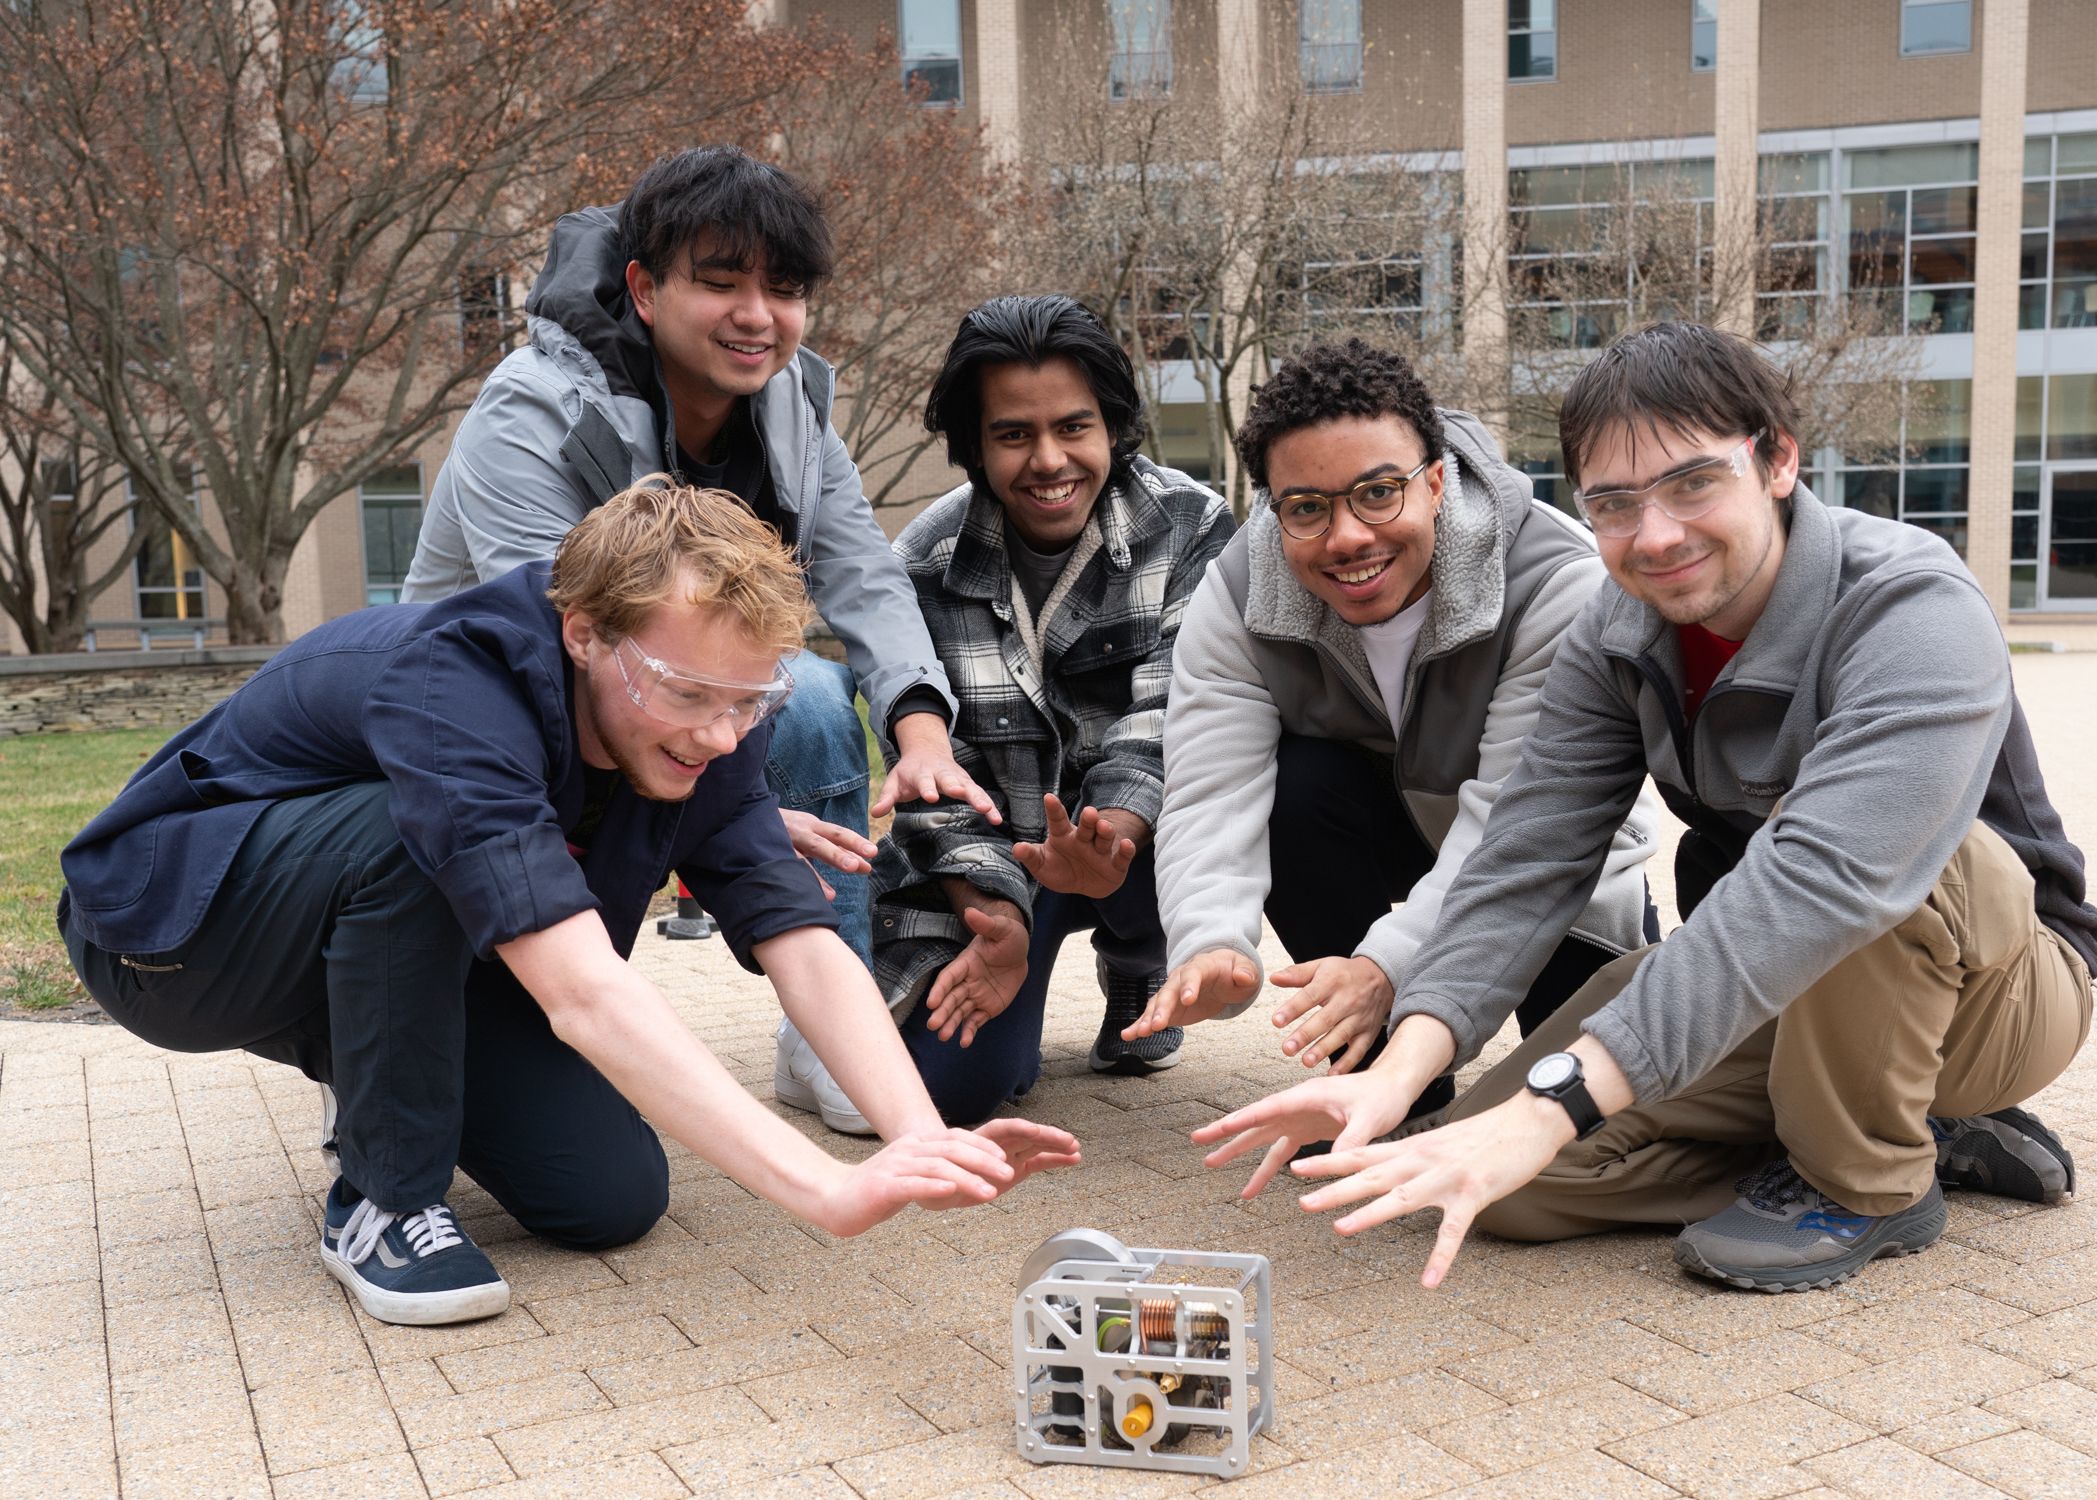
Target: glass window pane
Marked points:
2024	496
2038	205
1944	210
1874	491
2075	228
2038	156
2024	585
1534	55
1940	421
931	28
1532	15
1934	492
1877	239
2024	537
1703	40
1795	218
2031	392
2031	307
1799	172
1935	26
1897	166
2078	154
1934	262
1940	309
2071	416
2031	257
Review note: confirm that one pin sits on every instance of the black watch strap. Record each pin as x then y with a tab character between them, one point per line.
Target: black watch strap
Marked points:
1571	1093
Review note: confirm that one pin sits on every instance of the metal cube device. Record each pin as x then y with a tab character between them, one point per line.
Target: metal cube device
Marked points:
1142	1359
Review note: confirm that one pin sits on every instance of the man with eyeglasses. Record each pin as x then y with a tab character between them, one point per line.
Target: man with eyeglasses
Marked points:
410	858
1351	686
1885	947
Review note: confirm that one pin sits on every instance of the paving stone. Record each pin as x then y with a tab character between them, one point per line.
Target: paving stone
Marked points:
258	1228
642	1476
146	1218
224	1468
610	1433
74	1459
1740	1373
2061	1409
1398	1467
1884	1467
408	1380
147	1270
2041	1286
49	1206
696	1294
919	1471
727	1362
301	1342
466	1464
147	1130
1710	1324
1590	1476
67	1313
1359	1415
537	1270
1954	1429
2060	1343
180	1402
28	1261
147	1335
933	1377
1553	1363
756	1453
1398	1348
1903	1392
483	1413
25	1164
2029	1465
529	1359
246	1179
2039	1233
1519	1437
43	1127
326	1422
152	1094
1888	1330
50	1387
393	1475
1743	1453
1575	1305
390	1342
276	1280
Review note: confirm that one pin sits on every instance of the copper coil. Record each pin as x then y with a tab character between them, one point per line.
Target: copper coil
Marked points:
1160	1320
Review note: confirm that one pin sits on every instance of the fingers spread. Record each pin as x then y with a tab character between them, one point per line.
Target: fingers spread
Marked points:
1277	1156
1456	1223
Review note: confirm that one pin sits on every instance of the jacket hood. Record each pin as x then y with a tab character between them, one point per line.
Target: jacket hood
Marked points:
582	288
1484	502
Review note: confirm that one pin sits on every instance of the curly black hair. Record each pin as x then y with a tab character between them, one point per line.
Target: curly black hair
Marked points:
1354	379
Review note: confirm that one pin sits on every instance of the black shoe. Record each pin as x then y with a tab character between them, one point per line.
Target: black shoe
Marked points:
1782	1234
1127	996
2008	1153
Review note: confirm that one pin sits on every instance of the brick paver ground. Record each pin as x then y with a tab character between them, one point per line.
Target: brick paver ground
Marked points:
166	1329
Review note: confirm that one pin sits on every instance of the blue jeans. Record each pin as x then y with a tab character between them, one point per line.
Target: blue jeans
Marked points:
968	1084
818	765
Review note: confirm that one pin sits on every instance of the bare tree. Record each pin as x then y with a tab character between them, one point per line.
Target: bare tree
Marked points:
58	499
254	238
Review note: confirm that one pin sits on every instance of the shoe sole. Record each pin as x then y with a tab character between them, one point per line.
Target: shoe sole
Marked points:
2004	1172
790	1090
419	1309
1890	1241
1131	1067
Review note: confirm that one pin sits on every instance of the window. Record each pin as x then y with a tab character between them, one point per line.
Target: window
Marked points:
932	48
1794	221
1532	39
1142	61
1923	479
392	504
1703	35
1329	45
1911	233
166	581
362	69
1931	26
1597	247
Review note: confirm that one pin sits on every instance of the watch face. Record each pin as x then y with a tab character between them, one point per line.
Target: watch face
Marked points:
1553	1071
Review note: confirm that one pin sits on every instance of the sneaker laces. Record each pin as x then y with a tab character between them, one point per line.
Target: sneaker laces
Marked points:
427	1232
1775	1187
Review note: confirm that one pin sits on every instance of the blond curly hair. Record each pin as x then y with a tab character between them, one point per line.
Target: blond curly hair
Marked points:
655	540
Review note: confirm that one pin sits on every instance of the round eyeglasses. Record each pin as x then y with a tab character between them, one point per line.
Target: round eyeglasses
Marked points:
1682	495
689	700
1307	514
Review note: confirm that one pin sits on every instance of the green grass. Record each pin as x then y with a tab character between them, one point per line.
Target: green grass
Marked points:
50	785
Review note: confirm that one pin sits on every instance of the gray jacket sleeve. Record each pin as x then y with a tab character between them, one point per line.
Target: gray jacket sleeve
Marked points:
1221	729
1915	697
864	595
1542	850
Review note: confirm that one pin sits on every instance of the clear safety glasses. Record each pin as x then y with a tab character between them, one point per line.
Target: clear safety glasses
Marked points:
1682	496
691	701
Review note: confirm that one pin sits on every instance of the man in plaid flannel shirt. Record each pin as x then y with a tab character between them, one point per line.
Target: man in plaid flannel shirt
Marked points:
1053	583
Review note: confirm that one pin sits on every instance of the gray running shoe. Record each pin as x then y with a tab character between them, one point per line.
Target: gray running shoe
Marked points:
2008	1153
1784	1235
1127	995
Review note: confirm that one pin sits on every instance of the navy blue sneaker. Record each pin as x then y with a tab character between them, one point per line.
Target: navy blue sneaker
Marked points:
1782	1234
414	1268
2008	1153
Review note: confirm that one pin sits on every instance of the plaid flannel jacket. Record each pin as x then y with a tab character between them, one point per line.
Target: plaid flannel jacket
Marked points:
1073	705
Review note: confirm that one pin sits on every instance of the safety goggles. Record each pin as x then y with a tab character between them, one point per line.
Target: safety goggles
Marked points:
689	700
1682	496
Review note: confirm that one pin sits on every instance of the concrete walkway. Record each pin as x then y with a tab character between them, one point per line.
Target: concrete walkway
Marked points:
166	1328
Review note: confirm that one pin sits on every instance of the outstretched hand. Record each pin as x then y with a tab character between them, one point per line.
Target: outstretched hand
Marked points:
1030	1146
982	979
1202	987
1345	1000
925	770
1086	858
1460	1169
934	1169
1349	1111
831	844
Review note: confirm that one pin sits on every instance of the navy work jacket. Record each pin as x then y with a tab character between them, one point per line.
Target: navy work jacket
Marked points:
465	709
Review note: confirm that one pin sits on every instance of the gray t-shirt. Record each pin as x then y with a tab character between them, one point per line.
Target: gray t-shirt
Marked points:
1035	572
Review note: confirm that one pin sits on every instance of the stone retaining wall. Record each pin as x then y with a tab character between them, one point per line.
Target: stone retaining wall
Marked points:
119	689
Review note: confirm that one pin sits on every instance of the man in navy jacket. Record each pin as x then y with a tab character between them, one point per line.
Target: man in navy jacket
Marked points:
411	855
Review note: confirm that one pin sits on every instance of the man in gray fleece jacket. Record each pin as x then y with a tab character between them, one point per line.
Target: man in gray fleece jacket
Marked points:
1885	946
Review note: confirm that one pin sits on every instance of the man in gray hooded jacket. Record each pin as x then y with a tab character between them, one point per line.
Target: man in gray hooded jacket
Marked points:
665	335
1885	946
1352	683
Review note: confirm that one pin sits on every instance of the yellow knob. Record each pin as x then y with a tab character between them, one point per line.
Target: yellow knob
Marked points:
1136	1420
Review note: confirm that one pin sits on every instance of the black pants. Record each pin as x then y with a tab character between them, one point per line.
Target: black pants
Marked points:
1343	850
326	948
970	1083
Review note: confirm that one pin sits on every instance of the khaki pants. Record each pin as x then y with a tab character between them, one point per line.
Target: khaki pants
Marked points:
1969	1006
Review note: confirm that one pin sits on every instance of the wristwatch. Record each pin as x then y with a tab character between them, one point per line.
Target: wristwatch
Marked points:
1558	1075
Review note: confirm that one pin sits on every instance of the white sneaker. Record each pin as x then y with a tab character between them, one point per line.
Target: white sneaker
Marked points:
327	1132
800	1079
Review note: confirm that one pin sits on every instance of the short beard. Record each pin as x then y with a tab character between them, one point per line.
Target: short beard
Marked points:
625	768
